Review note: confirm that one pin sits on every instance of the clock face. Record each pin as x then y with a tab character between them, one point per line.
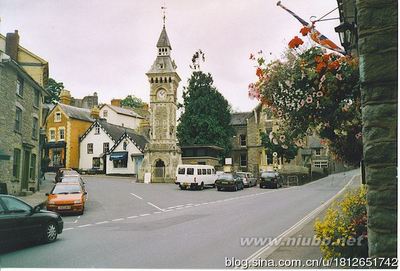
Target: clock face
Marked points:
162	94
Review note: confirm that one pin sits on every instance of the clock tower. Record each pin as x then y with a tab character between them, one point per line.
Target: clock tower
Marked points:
162	155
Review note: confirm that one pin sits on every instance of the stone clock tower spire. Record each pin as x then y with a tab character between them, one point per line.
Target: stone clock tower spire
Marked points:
162	155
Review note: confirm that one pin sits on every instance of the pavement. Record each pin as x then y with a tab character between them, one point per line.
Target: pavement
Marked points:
39	197
133	225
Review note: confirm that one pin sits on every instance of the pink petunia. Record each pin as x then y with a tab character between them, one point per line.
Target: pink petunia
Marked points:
309	99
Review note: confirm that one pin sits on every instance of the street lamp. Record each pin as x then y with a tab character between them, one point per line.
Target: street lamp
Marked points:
346	34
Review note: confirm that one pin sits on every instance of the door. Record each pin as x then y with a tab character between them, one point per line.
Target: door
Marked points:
25	170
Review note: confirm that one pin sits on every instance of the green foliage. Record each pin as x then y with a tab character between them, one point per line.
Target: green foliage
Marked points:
132	102
280	143
54	88
314	92
207	114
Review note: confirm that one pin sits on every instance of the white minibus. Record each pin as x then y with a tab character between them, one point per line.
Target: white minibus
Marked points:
195	176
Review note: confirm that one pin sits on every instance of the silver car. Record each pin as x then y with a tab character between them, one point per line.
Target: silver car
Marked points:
248	178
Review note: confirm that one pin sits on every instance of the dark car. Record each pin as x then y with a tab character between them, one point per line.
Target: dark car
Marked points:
229	181
61	172
270	179
20	222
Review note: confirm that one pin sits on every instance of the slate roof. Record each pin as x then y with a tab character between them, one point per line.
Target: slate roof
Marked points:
240	118
163	40
314	143
76	112
140	140
125	111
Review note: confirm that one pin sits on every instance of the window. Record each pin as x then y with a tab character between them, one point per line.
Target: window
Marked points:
35	128
105	114
190	171
36	99
242	139
32	169
106	147
57	117
321	164
18	119
90	148
317	152
181	170
120	163
61	133
125	145
52	135
204	171
213	171
96	162
20	87
209	171
16	163
243	160
16	206
97	130
198	171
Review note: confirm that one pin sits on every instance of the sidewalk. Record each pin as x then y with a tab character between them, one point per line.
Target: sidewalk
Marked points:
40	196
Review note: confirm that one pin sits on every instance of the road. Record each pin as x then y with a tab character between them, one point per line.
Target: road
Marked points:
132	225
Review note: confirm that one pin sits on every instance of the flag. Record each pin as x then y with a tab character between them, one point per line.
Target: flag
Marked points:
315	35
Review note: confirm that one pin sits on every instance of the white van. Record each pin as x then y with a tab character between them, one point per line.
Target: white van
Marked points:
195	176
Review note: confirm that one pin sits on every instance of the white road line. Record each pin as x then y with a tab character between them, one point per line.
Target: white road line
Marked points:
86	225
67	229
155	206
170	210
157	212
136	196
144	214
118	219
102	222
173	207
134	216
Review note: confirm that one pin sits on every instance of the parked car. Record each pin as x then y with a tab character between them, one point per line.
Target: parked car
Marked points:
270	179
248	179
67	198
21	222
230	181
73	179
195	176
61	172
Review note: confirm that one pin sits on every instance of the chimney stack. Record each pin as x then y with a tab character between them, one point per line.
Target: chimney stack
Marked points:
95	112
116	102
65	97
12	43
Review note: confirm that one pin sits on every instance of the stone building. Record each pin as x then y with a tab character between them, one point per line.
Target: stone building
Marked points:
162	155
22	75
87	102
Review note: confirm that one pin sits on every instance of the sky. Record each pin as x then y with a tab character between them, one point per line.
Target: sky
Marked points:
108	46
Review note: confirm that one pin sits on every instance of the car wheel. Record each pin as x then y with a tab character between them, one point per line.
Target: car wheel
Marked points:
181	187
201	186
218	188
261	186
235	188
50	232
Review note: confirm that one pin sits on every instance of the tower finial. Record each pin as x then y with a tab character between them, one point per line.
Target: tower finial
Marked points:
163	8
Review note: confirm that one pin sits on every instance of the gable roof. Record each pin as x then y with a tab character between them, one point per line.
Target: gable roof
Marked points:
240	118
123	111
76	112
139	140
113	131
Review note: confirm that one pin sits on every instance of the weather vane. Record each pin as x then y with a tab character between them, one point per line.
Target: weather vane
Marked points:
163	10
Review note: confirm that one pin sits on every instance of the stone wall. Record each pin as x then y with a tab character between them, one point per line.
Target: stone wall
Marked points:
377	33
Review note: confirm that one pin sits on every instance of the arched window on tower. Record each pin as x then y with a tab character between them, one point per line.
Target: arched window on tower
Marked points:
152	80
170	80
156	80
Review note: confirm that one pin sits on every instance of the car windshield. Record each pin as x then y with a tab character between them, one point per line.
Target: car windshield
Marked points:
225	177
66	189
268	175
241	174
71	179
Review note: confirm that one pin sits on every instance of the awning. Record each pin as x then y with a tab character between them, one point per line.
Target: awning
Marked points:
122	155
4	156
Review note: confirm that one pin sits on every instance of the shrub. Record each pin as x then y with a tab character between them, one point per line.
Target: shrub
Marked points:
343	230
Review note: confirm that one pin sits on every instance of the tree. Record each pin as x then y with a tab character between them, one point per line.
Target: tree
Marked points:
54	88
207	114
132	102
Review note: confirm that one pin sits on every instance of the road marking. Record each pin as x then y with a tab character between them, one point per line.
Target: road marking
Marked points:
144	214
170	210
155	206
157	212
67	229
102	222
136	196
134	216
83	226
173	207
118	219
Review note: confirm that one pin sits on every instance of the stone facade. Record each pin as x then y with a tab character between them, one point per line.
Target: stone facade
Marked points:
377	44
21	172
162	155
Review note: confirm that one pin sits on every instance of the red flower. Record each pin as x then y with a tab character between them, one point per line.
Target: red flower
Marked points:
326	57
334	65
259	72
318	59
305	30
295	42
320	67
